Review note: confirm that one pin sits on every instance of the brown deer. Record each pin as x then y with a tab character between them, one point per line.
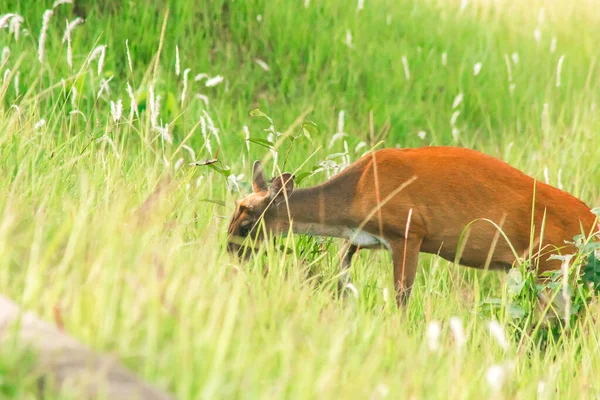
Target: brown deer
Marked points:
422	200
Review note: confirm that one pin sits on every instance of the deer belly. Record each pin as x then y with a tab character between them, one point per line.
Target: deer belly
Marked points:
363	239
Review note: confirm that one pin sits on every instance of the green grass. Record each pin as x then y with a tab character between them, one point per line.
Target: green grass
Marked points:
158	288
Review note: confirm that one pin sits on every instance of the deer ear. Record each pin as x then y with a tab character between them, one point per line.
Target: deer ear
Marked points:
259	183
282	187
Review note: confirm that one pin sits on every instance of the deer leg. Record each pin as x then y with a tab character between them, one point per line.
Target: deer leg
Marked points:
405	255
347	252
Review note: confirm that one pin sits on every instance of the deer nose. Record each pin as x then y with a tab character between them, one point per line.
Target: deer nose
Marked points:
232	248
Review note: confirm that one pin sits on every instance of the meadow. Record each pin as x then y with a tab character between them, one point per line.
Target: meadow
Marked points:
113	212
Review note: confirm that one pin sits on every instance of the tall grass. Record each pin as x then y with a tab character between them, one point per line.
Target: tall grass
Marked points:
104	223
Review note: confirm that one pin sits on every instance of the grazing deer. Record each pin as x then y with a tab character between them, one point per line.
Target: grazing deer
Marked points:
422	200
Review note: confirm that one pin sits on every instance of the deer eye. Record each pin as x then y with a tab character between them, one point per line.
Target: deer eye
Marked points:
245	228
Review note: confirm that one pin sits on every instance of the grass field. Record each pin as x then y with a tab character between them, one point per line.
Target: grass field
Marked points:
87	239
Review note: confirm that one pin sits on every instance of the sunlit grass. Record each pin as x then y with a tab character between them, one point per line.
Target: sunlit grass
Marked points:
143	272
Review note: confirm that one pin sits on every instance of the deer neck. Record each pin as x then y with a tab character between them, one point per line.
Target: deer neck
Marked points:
323	210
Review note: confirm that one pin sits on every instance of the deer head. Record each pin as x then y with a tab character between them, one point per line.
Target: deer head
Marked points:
261	205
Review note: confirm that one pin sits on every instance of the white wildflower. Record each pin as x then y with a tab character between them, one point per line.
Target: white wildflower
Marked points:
116	110
101	60
128	56
495	376
360	146
497	332
386	295
185	83
457	100
38	125
164	133
233	181
458	332
59	2
5	19
541	16
262	64
515	57
434	329
455	134
152	104
73	97
14	27
541	389
559	69
406	69
69	53
454	117
178	164
177	65
205	135
132	102
191	151
560	185
5	55
508	69
77	112
247	137
42	41
477	68
335	138
340	125
211	126
259	18
422	135
99	52
553	45
104	86
348	38
203	98
214	81
112	144
360	5
70	26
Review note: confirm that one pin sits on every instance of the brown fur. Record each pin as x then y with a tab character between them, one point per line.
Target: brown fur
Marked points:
444	189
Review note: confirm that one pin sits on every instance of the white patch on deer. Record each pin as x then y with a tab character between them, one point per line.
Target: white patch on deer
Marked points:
363	239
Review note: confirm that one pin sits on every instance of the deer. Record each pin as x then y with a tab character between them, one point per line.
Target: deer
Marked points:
465	206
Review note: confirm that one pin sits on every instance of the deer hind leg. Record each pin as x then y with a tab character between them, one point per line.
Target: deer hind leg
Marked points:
405	256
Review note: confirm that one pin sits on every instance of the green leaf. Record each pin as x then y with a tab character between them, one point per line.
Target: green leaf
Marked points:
596	211
516	312
256	113
261	142
219	169
515	282
302	176
311	127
